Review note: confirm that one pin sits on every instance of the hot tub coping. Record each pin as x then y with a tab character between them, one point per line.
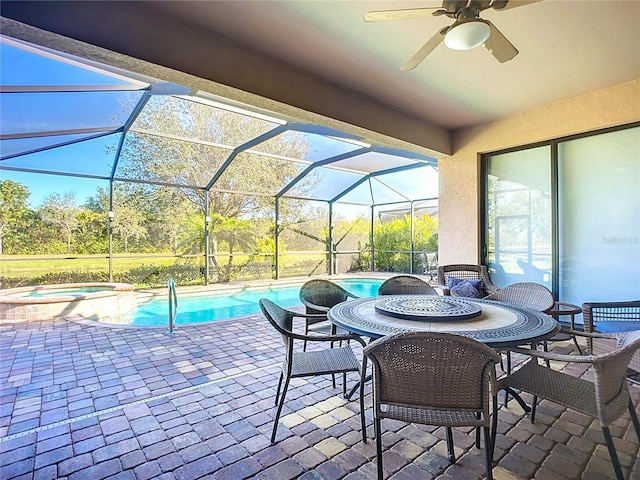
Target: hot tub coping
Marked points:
17	295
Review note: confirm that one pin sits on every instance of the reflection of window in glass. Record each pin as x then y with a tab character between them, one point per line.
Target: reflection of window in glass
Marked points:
518	213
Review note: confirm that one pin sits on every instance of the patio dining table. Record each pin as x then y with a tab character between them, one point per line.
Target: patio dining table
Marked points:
496	324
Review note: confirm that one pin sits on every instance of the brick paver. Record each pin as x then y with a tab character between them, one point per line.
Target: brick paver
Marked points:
87	401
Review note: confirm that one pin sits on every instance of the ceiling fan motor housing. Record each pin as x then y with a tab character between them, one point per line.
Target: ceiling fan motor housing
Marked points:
454	8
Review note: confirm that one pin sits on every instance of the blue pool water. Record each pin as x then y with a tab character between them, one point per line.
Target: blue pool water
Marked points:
219	306
73	292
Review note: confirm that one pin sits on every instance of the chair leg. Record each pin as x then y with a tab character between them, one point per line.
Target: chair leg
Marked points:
494	426
378	432
575	342
634	418
534	402
278	389
344	384
362	419
506	392
612	452
488	453
450	452
545	348
478	415
279	410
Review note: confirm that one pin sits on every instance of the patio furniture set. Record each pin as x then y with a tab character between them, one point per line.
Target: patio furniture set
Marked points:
434	356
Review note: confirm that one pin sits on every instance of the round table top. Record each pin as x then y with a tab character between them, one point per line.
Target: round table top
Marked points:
499	325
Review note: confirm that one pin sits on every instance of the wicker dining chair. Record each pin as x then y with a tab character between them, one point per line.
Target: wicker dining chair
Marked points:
605	396
525	294
435	379
611	317
406	285
318	296
298	364
465	272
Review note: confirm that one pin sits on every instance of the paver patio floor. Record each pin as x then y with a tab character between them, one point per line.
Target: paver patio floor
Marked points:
85	401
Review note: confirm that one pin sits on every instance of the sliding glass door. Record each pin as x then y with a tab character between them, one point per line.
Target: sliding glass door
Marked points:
566	214
599	217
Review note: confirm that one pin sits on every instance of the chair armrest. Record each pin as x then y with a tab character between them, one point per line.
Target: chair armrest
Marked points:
310	316
328	338
490	288
554	356
579	333
313	306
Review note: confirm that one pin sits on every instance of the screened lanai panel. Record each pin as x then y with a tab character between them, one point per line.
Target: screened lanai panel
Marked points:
351	238
19	146
90	157
413	183
249	172
168	160
324	183
242	245
360	195
303	240
21	65
158	233
177	116
30	113
373	161
59	235
304	146
39	187
383	193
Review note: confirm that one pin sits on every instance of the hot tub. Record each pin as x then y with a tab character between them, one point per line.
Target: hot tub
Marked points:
88	300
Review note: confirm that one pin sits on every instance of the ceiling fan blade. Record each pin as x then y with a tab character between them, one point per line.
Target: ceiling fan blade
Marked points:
498	45
384	15
508	4
426	49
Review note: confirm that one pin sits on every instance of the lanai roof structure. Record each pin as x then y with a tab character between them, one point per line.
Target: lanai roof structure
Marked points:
69	116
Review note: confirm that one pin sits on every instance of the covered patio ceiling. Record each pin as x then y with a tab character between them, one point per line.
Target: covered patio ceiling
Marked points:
65	115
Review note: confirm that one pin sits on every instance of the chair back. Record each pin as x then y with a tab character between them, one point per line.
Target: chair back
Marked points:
465	272
610	377
322	293
594	312
429	261
280	319
525	294
432	371
406	285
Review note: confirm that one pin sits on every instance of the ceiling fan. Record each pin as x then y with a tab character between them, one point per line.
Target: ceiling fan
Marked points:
467	31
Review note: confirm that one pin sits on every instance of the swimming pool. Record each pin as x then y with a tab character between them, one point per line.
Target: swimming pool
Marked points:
222	306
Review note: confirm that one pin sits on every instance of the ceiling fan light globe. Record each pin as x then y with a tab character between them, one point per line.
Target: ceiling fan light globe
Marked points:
467	35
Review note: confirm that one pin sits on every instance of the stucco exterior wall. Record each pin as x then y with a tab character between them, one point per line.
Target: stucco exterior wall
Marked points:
459	192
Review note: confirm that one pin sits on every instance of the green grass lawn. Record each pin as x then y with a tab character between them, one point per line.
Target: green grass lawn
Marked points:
146	269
